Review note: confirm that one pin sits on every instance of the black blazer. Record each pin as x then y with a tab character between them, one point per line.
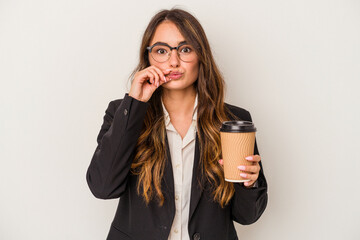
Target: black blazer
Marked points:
108	177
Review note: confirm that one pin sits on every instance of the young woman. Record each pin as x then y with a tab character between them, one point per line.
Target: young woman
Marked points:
159	147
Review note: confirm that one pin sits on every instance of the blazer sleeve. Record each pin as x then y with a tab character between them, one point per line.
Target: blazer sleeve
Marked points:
248	204
110	165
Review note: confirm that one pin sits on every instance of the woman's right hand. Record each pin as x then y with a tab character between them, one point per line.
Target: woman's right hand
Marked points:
146	81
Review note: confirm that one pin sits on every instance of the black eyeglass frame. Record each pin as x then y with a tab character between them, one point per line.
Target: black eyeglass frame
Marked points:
167	45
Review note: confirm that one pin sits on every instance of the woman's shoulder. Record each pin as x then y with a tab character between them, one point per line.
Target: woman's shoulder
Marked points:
112	106
240	112
127	102
116	102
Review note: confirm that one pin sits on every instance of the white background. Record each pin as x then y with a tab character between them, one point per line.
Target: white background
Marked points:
295	65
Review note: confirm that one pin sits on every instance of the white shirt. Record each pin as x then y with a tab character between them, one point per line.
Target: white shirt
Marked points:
182	159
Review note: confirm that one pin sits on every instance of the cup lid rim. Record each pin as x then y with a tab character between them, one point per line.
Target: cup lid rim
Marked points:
238	126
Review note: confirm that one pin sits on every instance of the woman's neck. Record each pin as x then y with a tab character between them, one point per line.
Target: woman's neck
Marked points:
179	102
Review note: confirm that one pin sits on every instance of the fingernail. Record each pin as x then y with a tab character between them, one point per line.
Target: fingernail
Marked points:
246	183
164	78
241	167
157	84
249	158
243	175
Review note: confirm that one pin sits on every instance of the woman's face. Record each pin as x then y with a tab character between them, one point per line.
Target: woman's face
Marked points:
168	33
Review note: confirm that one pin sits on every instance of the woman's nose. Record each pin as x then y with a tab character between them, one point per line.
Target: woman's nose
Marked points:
174	59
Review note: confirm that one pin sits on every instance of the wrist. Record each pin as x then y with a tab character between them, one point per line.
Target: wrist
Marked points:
137	98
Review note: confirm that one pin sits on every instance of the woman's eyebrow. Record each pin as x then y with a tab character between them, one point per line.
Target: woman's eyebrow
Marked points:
164	43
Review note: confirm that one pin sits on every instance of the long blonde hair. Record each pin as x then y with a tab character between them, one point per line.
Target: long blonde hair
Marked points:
150	158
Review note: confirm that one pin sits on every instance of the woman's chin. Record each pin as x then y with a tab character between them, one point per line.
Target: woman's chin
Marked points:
176	85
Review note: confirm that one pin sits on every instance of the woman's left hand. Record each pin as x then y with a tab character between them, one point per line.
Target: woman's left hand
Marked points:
249	172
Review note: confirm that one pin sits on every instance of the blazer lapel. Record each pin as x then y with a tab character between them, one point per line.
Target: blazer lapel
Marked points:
168	183
196	189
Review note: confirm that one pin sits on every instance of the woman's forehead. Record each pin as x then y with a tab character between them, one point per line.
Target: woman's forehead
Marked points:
167	32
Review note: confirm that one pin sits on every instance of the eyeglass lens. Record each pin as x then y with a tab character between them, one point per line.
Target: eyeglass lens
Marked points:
162	53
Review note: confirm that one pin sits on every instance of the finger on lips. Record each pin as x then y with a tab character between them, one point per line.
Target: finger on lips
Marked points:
150	76
161	75
167	72
161	72
156	77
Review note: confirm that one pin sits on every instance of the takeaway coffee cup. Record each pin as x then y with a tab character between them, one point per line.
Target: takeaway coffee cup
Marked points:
237	142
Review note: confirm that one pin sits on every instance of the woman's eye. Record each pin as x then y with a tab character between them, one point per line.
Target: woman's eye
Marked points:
161	51
186	50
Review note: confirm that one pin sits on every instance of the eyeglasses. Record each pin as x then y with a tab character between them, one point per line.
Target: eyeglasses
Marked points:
161	52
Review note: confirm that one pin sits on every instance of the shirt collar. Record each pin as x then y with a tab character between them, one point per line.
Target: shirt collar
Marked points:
167	116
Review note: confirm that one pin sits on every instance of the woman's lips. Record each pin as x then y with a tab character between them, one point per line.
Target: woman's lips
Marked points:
175	75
